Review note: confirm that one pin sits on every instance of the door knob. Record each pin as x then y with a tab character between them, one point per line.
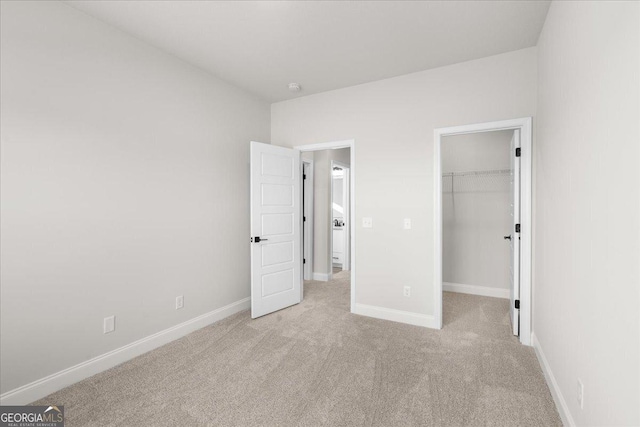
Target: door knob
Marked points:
507	237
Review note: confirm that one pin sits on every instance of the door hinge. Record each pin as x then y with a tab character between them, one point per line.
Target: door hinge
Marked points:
517	228
304	176
304	218
304	261
517	304
518	152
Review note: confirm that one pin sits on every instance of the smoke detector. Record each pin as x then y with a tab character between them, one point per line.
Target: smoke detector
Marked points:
294	87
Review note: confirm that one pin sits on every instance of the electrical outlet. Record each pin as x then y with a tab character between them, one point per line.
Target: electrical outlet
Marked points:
580	394
407	291
407	223
179	302
109	324
367	222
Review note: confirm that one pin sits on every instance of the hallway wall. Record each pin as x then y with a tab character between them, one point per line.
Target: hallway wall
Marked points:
322	214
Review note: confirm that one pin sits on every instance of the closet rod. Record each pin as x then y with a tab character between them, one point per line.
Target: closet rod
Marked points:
479	173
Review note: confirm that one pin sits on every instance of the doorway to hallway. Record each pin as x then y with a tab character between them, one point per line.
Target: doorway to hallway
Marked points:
328	210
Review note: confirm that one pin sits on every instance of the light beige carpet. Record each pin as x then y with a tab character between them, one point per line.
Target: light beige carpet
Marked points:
317	364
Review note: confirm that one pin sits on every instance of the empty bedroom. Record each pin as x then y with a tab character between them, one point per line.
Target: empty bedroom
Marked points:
319	213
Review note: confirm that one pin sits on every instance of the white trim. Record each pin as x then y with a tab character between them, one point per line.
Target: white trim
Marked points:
346	265
322	277
329	254
407	317
526	239
437	231
45	386
484	291
307	226
524	124
348	143
558	398
333	145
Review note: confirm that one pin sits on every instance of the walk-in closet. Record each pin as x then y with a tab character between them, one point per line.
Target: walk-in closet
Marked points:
477	217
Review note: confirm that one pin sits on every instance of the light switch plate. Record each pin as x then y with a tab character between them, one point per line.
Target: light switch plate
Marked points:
109	324
367	222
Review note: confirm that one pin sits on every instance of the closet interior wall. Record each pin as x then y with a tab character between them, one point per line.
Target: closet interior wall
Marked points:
476	209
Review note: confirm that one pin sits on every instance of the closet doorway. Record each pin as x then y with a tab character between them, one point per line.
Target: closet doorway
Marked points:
483	216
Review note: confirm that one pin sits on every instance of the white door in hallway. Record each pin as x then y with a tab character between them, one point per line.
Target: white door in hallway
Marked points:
276	267
515	233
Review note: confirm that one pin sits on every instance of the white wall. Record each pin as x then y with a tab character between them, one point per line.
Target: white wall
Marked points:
477	214
587	231
392	122
322	215
124	184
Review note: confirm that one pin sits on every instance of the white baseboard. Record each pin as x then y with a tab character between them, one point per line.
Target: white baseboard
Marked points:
322	277
43	387
396	315
558	398
484	291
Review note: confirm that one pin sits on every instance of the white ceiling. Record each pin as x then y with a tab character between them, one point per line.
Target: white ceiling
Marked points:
262	46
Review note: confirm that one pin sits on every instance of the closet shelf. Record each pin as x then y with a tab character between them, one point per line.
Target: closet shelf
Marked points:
476	181
479	173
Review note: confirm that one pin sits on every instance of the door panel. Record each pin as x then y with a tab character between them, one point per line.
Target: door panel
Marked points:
277	195
277	253
276	263
276	283
515	236
277	224
277	165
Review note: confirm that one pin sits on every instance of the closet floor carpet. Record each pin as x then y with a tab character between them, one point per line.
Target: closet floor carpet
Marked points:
316	364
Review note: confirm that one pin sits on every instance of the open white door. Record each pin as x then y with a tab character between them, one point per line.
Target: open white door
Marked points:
276	272
515	232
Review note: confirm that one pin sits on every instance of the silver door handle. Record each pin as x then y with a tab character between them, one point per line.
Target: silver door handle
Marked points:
507	237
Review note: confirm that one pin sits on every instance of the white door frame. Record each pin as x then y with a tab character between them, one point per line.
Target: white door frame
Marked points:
524	125
307	226
349	226
348	143
346	192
